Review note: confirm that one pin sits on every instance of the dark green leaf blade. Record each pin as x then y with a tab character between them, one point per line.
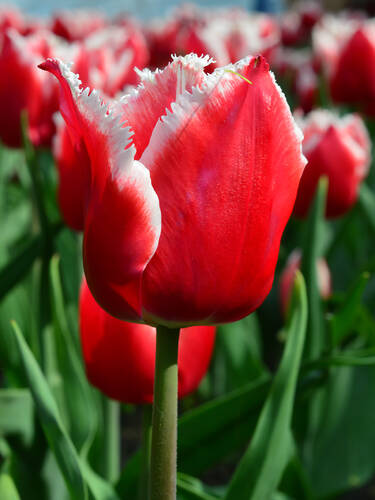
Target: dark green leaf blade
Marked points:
262	465
59	440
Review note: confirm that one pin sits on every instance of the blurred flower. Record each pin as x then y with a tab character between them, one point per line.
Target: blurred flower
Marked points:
76	25
226	35
23	87
346	48
338	148
288	275
298	70
296	24
106	59
190	233
120	357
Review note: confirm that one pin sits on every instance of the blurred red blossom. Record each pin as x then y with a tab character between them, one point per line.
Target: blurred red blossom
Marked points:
76	25
120	357
346	48
338	148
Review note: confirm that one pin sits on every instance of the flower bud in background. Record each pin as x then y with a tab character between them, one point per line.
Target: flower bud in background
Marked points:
75	25
120	357
22	87
288	275
338	148
346	48
188	203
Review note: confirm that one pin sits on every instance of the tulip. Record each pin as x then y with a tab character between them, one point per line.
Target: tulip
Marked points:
338	148
192	180
288	275
120	357
346	48
24	88
74	25
183	219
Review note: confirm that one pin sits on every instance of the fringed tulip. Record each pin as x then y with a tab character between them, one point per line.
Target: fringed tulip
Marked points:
74	25
338	148
23	87
192	180
120	357
346	48
288	275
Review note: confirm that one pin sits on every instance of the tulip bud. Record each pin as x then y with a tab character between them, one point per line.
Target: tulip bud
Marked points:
346	49
288	275
338	148
120	357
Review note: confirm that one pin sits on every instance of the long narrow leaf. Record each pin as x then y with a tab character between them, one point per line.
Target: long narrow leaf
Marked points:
260	469
59	440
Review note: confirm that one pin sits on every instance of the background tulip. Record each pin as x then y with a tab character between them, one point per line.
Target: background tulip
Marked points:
338	148
346	48
288	276
155	247
120	357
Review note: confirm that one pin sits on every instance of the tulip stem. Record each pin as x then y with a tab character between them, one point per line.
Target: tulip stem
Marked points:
144	478
112	446
164	416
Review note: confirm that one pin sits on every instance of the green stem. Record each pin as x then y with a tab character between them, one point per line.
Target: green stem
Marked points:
112	439
144	478
164	416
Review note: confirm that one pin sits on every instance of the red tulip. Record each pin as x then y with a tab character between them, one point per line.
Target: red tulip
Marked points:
106	59
120	357
23	87
190	233
288	275
76	25
74	177
338	148
346	48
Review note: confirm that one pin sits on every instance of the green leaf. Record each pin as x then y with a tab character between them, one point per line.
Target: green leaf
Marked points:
366	201
311	251
343	451
15	270
8	489
260	469
238	350
16	413
82	413
191	488
342	322
46	407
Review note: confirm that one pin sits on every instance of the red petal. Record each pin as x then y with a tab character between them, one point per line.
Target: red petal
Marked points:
122	223
225	164
142	109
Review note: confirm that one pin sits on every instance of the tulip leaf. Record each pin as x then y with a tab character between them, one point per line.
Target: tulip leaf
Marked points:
8	490
78	394
260	469
15	270
16	413
191	488
366	201
310	254
50	419
342	322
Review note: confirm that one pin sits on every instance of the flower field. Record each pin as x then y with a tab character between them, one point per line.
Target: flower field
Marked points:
187	289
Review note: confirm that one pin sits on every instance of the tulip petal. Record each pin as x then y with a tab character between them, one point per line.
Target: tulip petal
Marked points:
158	90
225	163
122	220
